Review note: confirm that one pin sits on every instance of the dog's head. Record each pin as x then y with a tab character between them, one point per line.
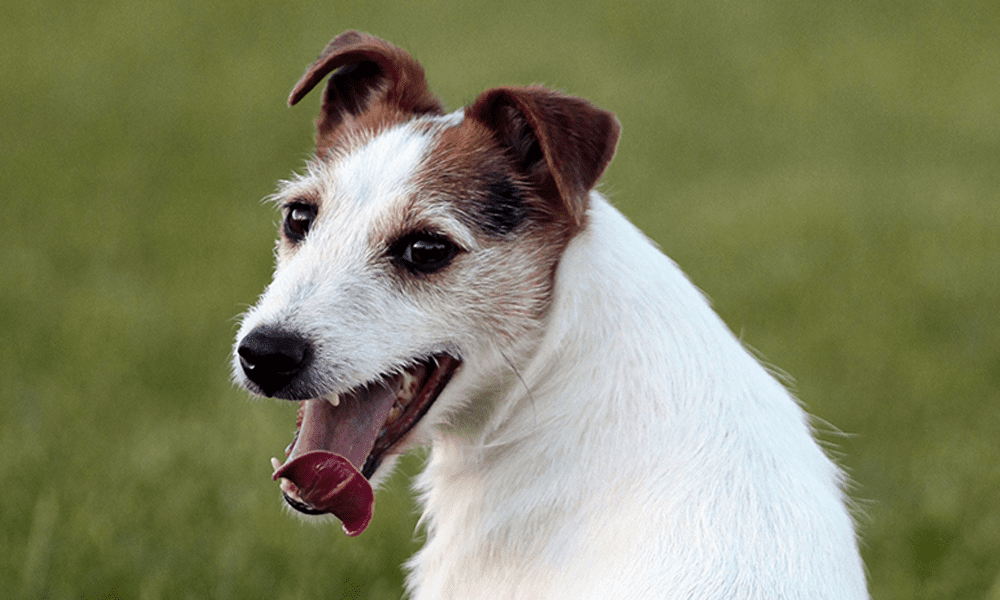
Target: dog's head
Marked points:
416	258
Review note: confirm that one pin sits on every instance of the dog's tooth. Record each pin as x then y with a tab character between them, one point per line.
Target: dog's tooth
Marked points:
394	414
408	386
334	401
275	463
299	416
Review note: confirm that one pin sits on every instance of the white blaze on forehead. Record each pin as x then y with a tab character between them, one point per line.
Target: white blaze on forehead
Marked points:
375	174
383	167
370	167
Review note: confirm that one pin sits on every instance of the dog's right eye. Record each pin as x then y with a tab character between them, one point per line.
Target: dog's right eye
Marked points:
298	219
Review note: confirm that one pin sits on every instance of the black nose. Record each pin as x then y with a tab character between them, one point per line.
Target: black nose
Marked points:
272	358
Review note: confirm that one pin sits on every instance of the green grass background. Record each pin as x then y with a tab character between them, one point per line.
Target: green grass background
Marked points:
828	172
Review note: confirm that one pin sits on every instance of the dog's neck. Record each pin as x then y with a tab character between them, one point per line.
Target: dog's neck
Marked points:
635	407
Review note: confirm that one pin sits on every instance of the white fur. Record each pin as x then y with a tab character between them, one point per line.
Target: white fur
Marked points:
624	445
652	458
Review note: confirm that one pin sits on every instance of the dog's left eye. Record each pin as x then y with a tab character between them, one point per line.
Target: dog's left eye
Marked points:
424	252
298	220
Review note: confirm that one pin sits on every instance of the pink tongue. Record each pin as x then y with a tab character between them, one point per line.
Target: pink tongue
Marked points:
330	446
329	483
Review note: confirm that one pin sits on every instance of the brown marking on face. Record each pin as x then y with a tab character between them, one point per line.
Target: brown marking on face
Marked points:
353	131
561	144
518	171
469	167
518	236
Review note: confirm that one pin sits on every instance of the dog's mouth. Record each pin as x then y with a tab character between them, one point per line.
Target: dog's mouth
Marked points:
341	440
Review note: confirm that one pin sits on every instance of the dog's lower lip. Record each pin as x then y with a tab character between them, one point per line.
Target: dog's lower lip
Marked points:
302	507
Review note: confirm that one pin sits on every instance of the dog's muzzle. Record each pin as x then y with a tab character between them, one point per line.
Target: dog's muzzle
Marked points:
341	436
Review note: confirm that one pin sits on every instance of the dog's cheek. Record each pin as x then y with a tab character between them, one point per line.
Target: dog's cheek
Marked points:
518	295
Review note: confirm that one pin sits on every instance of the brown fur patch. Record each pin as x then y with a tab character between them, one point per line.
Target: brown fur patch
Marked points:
353	131
470	171
370	80
560	143
469	167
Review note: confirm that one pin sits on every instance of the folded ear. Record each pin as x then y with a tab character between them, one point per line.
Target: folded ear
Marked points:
559	143
367	69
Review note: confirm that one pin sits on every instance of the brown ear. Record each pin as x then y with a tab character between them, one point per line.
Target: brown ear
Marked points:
560	143
367	69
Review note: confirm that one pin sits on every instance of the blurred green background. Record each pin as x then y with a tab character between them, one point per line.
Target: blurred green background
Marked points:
828	173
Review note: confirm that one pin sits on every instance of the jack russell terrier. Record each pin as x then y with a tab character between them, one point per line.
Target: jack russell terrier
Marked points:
595	430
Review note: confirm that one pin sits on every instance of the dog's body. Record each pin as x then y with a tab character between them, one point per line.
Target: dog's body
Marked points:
599	432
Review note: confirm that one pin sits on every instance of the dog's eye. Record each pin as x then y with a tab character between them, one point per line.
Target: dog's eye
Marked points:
424	252
298	220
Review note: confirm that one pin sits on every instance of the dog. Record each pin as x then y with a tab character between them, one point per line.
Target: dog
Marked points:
595	430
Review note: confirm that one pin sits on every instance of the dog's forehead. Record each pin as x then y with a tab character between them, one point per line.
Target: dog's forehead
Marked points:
373	172
382	168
